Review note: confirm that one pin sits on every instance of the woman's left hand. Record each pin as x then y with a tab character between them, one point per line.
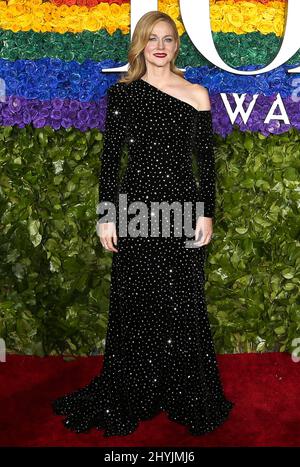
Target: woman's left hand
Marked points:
204	225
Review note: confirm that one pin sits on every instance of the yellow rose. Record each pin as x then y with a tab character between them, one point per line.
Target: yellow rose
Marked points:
216	13
14	27
60	29
236	19
216	25
269	14
248	27
34	2
265	27
224	27
180	27
47	7
63	10
44	28
173	11
278	26
92	24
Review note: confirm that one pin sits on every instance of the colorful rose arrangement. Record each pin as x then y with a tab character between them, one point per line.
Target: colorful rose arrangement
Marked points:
54	55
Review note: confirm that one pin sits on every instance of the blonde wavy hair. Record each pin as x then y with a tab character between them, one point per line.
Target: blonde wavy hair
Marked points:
140	37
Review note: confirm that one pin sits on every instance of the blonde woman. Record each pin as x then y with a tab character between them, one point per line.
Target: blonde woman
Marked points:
159	353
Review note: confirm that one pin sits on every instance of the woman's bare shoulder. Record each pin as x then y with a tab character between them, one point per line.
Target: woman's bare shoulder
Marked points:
201	96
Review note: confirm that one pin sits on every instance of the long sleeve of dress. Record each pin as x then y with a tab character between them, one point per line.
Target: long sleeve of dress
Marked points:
205	162
114	137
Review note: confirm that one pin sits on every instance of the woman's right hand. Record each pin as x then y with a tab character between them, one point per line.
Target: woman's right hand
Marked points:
108	235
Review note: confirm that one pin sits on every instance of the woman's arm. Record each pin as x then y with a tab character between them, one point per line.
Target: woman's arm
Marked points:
114	137
204	149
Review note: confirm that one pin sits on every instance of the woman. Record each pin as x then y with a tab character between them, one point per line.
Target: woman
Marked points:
159	353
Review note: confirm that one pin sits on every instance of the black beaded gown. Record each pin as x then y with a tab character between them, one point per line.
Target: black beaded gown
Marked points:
159	353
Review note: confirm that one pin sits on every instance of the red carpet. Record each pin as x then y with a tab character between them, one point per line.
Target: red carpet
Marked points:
264	387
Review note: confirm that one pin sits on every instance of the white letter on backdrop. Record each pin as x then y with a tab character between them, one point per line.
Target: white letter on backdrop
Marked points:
239	110
283	116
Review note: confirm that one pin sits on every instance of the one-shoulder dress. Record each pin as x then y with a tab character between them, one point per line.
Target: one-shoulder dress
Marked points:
159	353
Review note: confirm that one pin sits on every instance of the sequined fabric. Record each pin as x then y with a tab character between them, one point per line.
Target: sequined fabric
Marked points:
159	353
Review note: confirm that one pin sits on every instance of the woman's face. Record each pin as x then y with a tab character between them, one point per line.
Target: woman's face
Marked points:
161	45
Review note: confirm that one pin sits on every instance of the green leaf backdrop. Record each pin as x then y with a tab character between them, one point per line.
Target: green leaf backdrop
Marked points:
55	276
